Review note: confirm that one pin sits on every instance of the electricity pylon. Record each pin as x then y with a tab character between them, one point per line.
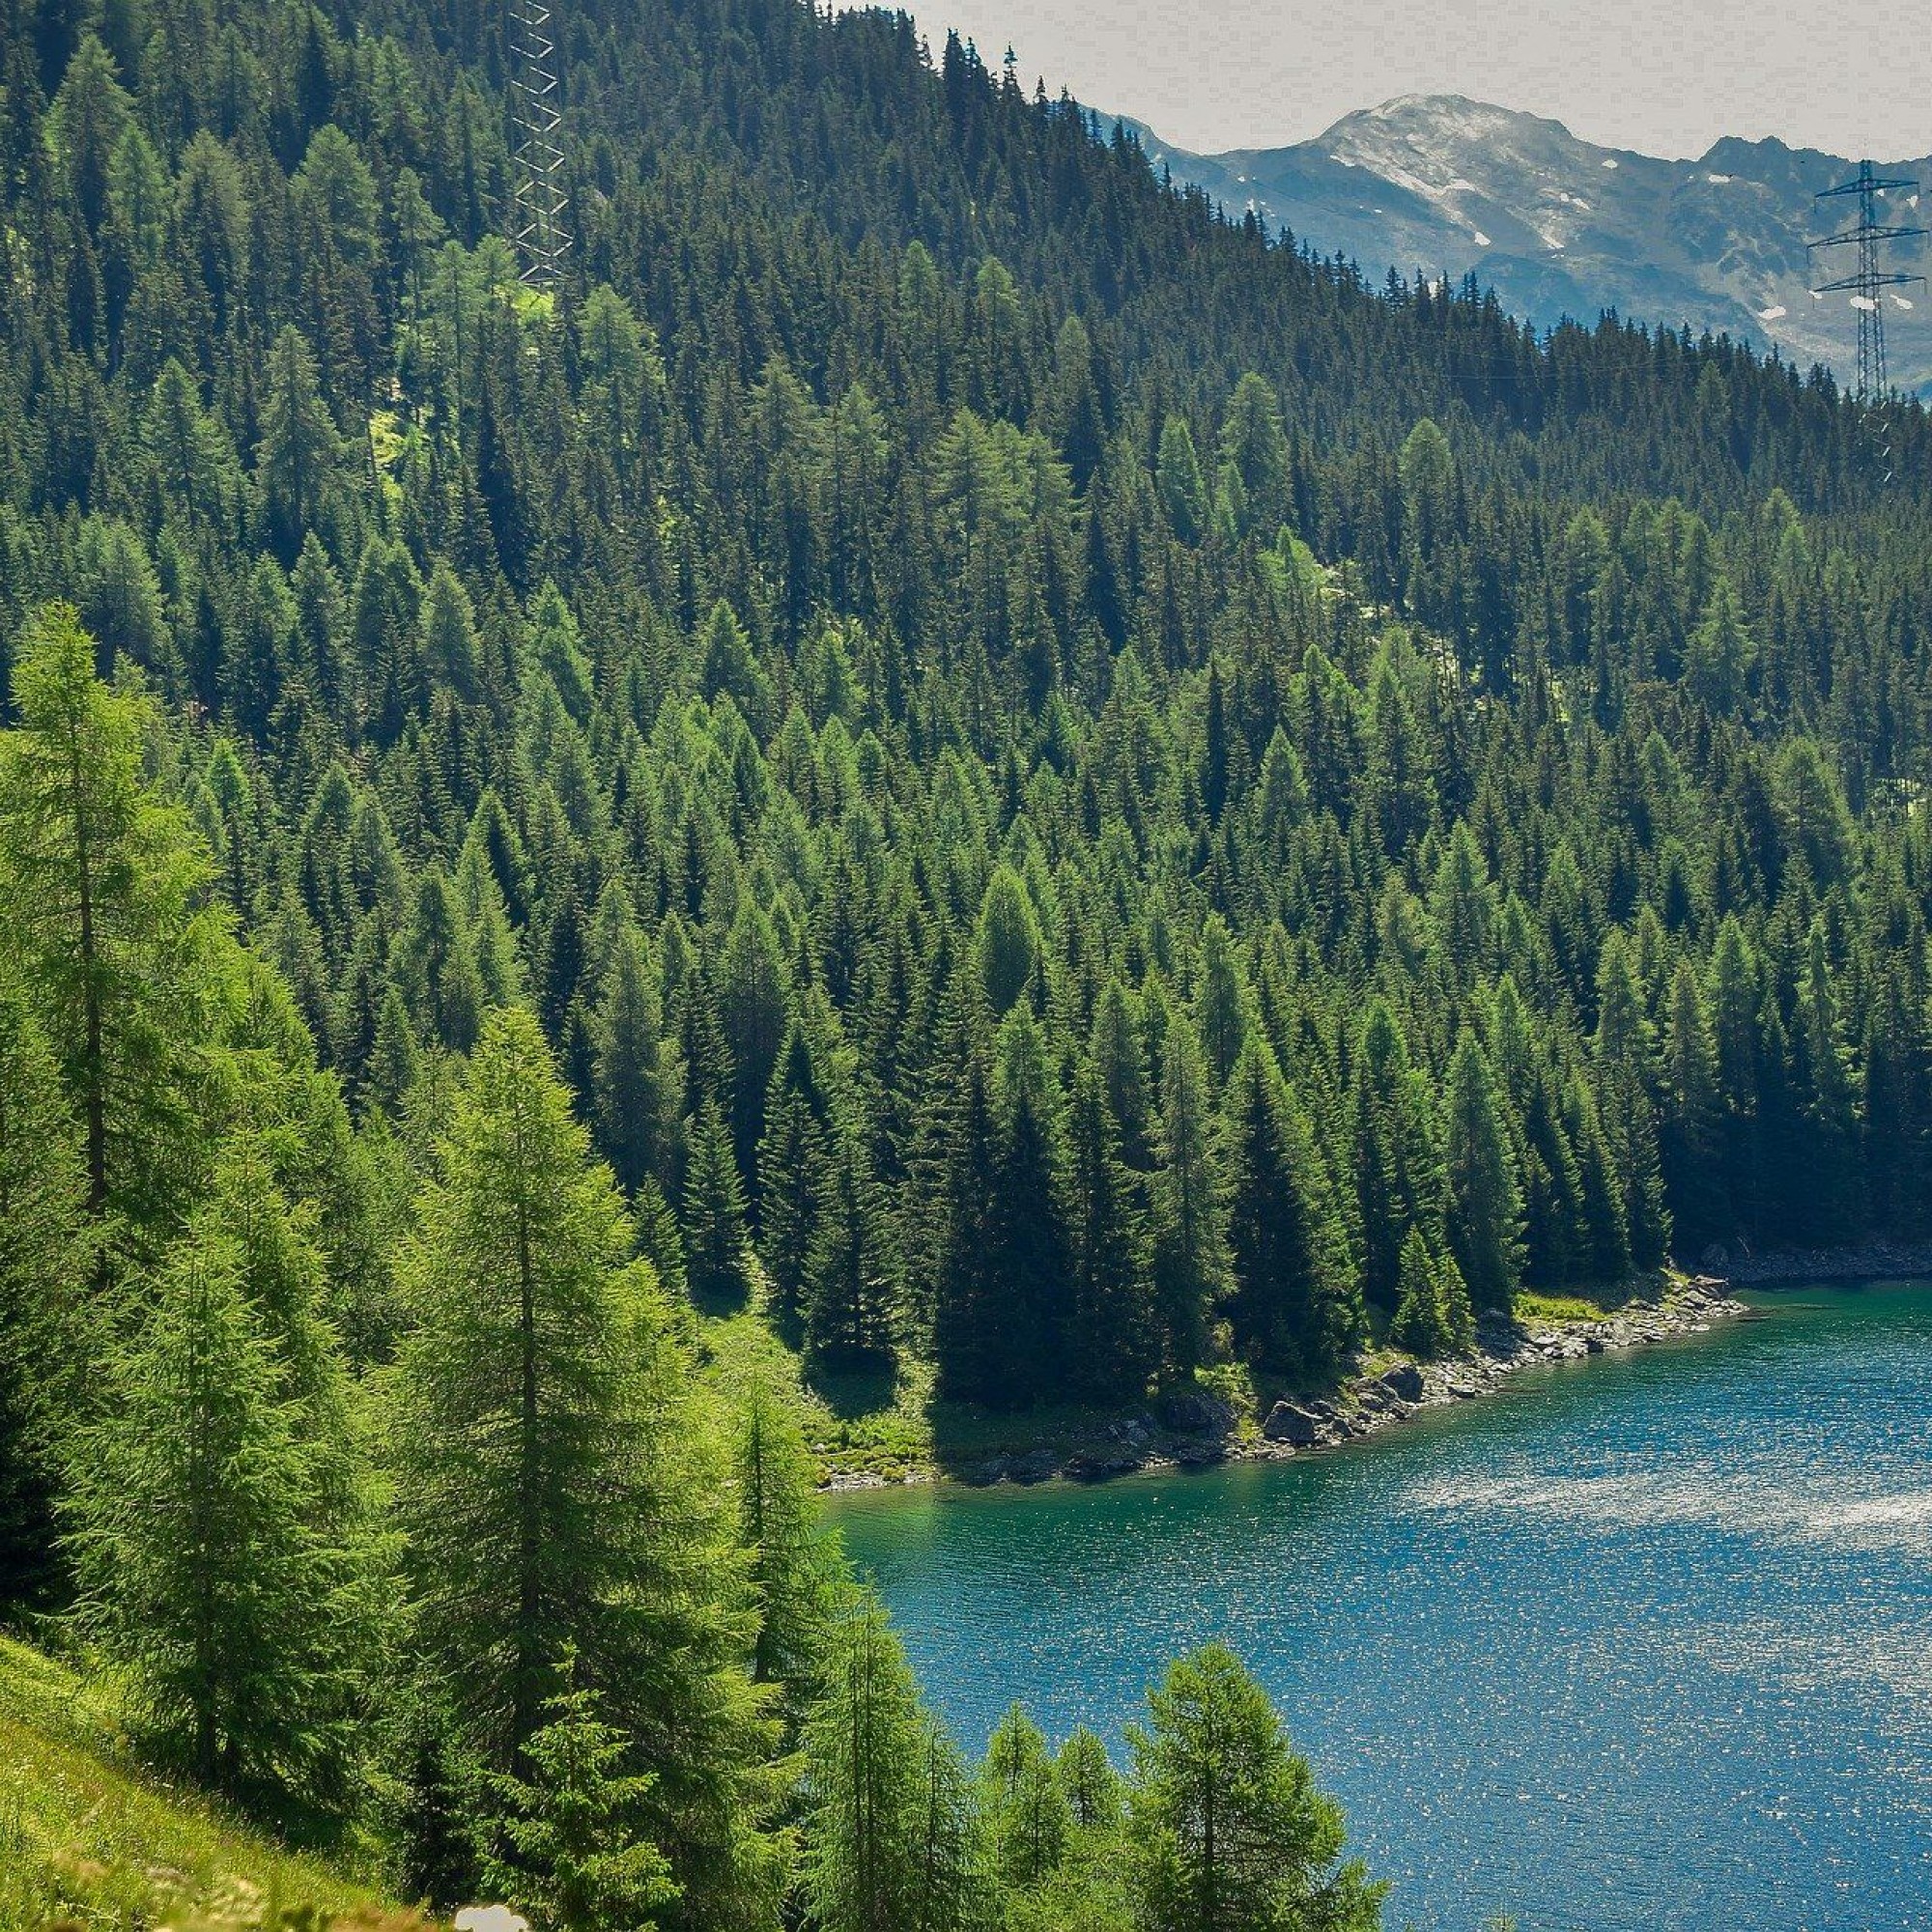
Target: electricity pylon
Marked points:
1869	278
539	224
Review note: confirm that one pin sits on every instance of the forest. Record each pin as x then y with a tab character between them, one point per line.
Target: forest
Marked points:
941	744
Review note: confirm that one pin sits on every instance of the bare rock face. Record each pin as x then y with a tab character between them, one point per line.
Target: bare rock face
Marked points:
1287	1423
1194	1414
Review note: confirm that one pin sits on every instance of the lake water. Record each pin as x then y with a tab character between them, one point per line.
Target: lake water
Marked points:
1642	1642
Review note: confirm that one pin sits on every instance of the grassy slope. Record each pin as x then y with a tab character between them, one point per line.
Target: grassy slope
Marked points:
87	1841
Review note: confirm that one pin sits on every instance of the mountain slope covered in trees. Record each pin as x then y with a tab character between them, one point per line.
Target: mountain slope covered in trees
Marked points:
937	744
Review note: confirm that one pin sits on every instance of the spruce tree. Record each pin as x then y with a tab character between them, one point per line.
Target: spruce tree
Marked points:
1295	1306
1485	1202
1109	1321
1192	1270
579	1858
714	1212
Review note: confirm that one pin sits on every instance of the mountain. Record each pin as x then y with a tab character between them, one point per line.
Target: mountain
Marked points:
1561	227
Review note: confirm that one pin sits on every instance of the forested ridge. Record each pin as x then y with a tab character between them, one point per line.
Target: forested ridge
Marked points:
941	744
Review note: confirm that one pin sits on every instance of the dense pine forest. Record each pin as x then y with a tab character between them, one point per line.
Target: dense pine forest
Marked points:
941	744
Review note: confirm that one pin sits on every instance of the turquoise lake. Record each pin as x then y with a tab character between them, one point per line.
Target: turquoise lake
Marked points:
1642	1642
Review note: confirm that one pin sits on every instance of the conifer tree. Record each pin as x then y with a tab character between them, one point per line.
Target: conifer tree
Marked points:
1626	1052
634	1087
1109	1320
796	1571
1091	1785
554	1484
849	1270
1192	1270
714	1212
1484	1200
195	1513
44	1332
1687	1129
101	883
1228	1830
580	1856
1294	1304
791	1162
892	1838
1027	1811
1030	1289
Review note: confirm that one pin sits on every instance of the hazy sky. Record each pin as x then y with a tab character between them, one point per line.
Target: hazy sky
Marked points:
1666	77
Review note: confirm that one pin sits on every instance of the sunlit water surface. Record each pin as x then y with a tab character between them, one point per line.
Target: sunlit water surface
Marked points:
1644	1643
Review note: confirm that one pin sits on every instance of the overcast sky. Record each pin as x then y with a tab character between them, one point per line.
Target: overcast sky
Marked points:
1665	76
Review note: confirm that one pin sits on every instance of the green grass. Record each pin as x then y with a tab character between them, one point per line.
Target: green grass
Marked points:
87	1840
1596	1304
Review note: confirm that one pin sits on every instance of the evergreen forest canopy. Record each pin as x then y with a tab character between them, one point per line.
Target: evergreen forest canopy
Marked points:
940	743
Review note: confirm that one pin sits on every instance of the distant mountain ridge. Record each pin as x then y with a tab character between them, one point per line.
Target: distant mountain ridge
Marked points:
1563	227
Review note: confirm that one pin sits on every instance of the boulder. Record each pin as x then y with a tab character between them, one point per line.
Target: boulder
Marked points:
1404	1380
1193	1415
1286	1423
1035	1466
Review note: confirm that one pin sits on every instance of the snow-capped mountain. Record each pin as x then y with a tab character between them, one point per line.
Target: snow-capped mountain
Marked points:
1561	227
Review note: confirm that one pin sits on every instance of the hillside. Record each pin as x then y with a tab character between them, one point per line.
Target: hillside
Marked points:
85	1838
937	767
1562	228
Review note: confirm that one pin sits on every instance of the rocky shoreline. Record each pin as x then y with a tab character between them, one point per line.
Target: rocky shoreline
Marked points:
1193	1430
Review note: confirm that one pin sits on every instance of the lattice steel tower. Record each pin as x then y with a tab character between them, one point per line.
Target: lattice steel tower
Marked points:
1867	283
539	222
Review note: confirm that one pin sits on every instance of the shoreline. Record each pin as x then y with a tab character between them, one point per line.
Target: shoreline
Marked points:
1196	1429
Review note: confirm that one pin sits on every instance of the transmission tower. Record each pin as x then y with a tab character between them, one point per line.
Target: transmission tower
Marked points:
538	224
1867	281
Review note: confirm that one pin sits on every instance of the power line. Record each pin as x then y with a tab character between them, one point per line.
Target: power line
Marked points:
540	226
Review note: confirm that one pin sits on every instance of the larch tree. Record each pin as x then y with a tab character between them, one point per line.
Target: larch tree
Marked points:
556	1484
102	885
1228	1832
